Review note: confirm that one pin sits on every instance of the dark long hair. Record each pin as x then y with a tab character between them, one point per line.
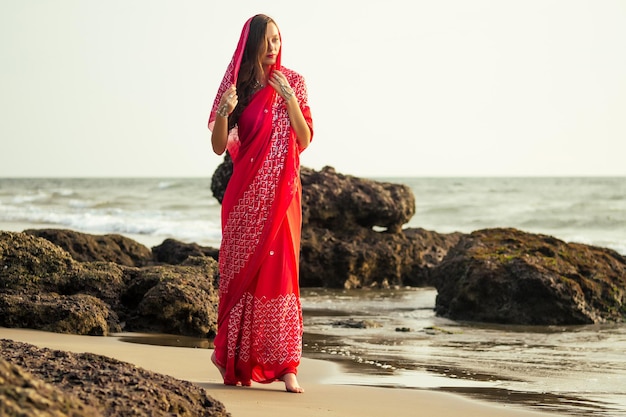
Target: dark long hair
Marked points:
251	67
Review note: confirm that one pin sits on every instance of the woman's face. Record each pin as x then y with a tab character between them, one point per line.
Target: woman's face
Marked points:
272	45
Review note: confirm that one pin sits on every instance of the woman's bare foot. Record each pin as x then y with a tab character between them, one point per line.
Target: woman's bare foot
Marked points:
291	383
220	368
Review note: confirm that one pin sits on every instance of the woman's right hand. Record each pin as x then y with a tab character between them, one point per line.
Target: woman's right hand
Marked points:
228	102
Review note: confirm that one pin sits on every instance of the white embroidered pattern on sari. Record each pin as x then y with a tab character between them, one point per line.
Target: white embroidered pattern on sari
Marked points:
273	334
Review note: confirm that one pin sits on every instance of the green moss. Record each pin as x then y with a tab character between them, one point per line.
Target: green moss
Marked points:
569	281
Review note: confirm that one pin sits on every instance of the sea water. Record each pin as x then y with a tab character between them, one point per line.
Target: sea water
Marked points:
149	210
574	370
585	210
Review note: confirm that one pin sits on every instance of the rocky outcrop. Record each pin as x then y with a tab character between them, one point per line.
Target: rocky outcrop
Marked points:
85	247
352	237
352	234
44	382
361	257
43	287
509	276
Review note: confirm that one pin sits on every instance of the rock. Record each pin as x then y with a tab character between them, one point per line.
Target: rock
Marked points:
42	287
175	299
509	276
103	280
221	176
338	202
426	250
85	247
356	324
77	314
352	233
403	329
28	263
362	257
22	394
108	386
174	252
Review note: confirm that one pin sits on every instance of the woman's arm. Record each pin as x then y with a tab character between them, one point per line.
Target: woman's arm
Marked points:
219	135
298	122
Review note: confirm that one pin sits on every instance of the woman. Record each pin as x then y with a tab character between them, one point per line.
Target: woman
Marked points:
261	116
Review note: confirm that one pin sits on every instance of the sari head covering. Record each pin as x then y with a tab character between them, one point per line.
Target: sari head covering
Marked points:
230	78
259	316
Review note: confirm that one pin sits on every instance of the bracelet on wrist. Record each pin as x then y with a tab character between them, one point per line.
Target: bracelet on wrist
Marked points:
222	111
287	92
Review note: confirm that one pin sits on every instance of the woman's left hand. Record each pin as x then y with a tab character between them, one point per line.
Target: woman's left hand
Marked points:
279	82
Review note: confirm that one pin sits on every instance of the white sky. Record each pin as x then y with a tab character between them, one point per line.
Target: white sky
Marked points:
397	88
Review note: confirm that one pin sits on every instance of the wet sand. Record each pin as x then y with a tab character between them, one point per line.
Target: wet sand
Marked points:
322	398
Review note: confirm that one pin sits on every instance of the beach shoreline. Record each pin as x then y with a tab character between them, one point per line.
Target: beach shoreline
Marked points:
322	397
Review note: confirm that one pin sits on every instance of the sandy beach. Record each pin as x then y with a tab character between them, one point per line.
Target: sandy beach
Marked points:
321	398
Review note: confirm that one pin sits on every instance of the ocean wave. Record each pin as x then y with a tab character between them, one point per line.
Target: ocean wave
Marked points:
38	196
117	221
30	198
165	185
81	204
63	192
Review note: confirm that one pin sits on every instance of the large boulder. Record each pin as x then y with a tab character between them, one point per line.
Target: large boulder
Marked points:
352	234
88	384
339	202
509	276
87	247
179	299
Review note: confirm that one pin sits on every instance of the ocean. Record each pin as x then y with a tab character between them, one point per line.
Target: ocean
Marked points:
571	370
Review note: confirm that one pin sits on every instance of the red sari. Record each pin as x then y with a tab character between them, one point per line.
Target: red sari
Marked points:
259	334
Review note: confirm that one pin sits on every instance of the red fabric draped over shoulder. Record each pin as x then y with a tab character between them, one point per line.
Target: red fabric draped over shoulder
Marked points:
260	318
